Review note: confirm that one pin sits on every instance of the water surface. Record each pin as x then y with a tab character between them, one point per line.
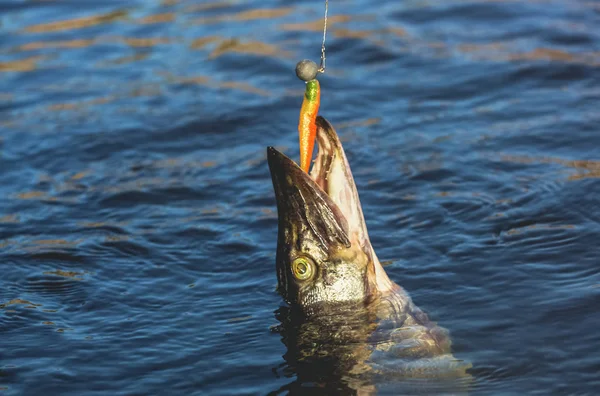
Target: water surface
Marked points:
137	218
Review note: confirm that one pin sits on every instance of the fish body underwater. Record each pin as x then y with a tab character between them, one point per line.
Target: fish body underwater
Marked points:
348	328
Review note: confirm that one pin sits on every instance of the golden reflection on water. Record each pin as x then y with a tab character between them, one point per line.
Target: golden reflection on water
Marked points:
103	224
67	274
61	44
76	23
84	43
54	242
584	168
209	82
243	86
138	56
31	195
359	123
542	227
257	48
316	25
202	42
46	245
245	16
209	6
353	34
80	175
157	18
145	42
81	104
21	65
10	219
509	52
18	301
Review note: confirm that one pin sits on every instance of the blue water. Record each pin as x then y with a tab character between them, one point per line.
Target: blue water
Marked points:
137	218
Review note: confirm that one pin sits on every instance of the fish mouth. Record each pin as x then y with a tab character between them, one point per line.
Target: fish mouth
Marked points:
331	172
325	200
319	213
328	150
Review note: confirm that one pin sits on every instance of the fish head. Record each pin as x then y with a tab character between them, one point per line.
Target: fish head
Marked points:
324	255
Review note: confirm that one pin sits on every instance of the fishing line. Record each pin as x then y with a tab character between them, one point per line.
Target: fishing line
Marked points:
322	66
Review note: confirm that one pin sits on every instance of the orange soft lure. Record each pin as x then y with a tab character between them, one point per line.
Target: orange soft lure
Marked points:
307	127
307	71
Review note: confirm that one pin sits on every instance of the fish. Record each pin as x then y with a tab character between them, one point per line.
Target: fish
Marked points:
343	313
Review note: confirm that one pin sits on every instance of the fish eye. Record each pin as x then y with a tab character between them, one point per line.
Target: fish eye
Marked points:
302	268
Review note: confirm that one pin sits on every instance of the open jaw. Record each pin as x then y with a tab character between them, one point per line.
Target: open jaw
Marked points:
320	210
325	201
331	172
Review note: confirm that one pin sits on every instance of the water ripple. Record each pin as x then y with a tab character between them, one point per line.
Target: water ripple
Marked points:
138	223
